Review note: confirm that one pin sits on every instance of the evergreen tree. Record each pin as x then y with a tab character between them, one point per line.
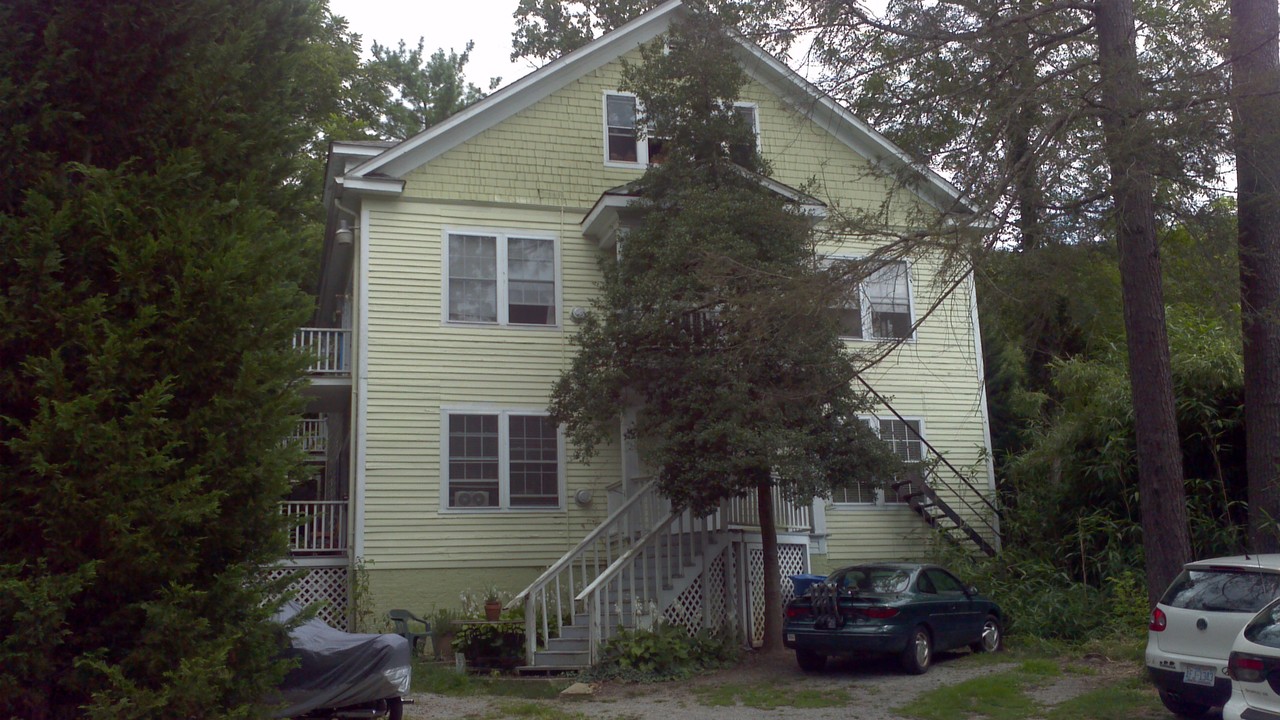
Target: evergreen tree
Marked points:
713	321
414	94
152	188
1255	86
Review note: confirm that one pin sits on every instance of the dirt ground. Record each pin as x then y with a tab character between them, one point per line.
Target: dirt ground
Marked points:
875	688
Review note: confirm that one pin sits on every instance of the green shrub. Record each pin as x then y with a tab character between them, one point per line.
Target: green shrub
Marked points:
667	652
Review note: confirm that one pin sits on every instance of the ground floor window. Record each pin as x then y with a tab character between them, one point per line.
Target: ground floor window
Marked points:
904	437
501	460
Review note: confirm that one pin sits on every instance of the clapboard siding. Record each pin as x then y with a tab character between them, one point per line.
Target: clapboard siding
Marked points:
540	171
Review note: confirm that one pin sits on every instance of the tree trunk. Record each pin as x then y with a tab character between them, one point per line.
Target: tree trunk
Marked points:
1163	499
772	570
1255	95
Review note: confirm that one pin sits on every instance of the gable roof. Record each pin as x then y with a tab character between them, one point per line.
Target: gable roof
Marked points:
382	172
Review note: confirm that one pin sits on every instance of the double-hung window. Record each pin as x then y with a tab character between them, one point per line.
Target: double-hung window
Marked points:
507	279
624	144
904	439
501	460
880	307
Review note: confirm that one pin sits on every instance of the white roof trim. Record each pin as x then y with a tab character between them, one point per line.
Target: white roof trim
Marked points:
436	140
424	147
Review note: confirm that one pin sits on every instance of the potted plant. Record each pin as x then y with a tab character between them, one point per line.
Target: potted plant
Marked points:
444	626
492	603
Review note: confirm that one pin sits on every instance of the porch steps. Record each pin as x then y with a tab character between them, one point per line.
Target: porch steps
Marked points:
570	652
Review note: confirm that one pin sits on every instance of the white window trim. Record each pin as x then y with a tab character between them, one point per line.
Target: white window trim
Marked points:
755	119
865	304
502	235
642	143
873	421
504	461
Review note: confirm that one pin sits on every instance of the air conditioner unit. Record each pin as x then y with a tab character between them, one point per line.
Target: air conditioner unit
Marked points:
471	498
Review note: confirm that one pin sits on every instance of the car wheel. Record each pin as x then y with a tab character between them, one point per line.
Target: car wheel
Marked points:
1178	706
810	661
395	708
992	636
918	654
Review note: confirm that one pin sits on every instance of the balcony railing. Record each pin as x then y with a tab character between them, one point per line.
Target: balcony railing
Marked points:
787	516
330	349
321	526
312	435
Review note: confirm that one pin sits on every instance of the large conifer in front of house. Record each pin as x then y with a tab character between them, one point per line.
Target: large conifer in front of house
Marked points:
713	321
153	222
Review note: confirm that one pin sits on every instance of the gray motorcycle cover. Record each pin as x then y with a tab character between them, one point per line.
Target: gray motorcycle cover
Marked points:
338	668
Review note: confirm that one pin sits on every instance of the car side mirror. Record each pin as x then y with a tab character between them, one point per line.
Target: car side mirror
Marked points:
971	590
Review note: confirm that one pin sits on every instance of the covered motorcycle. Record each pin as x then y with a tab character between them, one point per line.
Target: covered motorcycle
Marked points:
342	674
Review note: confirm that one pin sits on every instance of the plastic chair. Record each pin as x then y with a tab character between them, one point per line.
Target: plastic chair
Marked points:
401	619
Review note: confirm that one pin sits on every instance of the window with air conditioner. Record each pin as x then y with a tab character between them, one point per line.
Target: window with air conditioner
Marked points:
905	439
501	461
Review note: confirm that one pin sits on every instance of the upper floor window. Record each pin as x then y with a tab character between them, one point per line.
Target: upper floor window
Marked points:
501	460
880	308
623	143
904	438
507	279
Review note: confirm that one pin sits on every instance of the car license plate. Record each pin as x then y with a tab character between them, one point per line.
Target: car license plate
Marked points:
1197	675
791	637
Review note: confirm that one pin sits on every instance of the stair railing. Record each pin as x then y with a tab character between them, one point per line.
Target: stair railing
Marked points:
551	597
636	579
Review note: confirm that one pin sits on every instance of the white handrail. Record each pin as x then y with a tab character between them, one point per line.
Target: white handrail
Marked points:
330	349
580	548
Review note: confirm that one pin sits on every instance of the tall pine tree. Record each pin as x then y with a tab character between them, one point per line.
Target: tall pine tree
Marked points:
713	321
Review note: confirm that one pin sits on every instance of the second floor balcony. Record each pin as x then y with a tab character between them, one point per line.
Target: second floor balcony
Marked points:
329	349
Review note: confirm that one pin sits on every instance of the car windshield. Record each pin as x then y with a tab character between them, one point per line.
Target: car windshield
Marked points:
1265	629
1222	590
870	578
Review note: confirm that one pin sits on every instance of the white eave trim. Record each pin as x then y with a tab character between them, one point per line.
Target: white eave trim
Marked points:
376	186
601	224
847	127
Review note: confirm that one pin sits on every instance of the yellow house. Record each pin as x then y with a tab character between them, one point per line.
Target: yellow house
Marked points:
455	265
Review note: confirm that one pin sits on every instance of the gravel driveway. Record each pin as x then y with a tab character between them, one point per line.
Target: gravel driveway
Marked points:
873	689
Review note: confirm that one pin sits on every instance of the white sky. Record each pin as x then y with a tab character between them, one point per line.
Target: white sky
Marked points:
447	24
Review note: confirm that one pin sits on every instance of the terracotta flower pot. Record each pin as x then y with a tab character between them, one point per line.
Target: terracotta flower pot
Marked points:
492	610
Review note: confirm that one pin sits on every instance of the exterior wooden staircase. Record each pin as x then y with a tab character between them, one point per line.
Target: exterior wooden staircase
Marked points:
922	490
643	563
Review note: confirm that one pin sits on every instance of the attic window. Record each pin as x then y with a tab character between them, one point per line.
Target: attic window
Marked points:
623	143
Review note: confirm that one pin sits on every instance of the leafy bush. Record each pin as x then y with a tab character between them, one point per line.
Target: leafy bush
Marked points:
491	645
668	652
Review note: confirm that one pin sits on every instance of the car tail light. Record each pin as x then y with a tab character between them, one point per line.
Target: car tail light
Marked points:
795	612
880	612
1246	668
1158	621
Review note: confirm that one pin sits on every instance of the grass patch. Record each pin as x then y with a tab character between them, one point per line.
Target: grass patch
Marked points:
770	697
443	679
536	711
1122	701
999	697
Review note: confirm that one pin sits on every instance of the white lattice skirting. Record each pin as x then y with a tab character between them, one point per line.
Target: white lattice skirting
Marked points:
326	586
790	562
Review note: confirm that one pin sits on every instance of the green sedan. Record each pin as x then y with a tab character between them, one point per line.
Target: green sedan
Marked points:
910	610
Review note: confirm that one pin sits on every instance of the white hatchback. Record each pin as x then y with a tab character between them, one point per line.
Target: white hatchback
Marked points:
1195	623
1254	667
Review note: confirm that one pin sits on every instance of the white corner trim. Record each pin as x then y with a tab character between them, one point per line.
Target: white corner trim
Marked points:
361	385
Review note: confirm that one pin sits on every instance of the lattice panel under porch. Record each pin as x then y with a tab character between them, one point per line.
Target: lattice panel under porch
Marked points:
686	609
324	585
716	581
790	562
